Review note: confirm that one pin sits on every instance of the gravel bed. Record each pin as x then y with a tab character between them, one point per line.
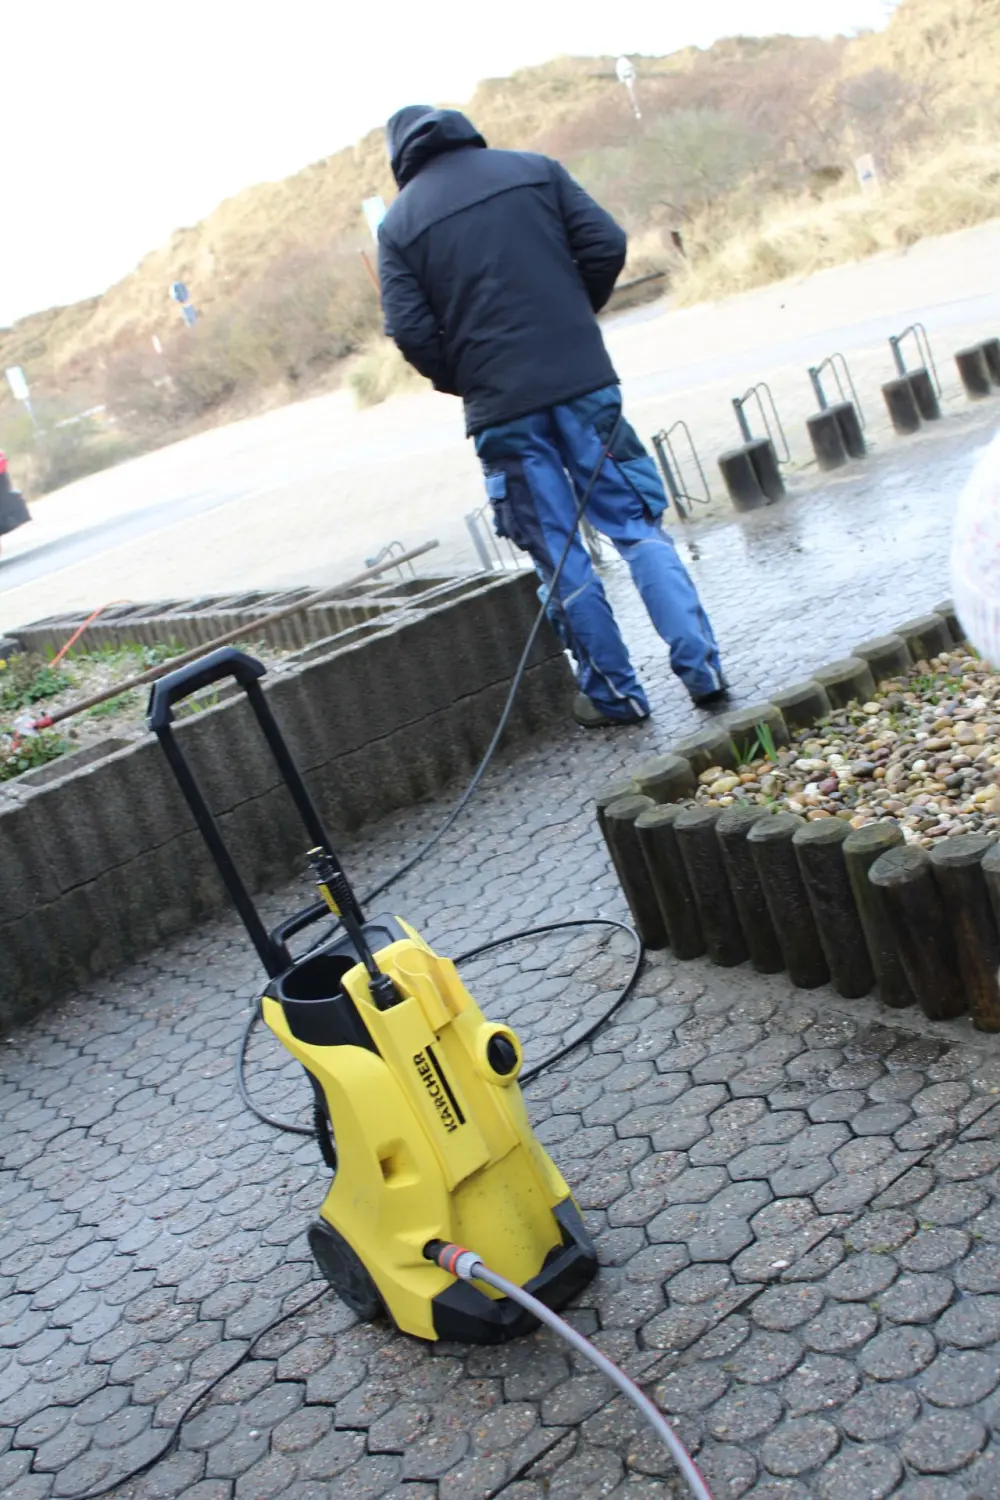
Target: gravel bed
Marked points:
923	752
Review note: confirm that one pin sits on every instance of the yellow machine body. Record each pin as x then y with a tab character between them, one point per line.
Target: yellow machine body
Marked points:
434	1144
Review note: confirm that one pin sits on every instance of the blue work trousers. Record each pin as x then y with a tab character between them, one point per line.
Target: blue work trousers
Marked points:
537	470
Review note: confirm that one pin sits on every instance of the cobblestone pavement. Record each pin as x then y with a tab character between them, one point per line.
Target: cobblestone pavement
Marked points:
796	1199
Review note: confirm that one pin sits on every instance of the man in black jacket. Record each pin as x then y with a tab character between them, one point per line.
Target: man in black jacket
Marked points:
493	266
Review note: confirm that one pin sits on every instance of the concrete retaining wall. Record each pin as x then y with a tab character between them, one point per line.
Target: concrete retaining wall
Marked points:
99	857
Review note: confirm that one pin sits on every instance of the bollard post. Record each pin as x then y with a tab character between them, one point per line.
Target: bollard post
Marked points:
633	872
819	849
702	856
770	843
974	373
991	354
827	441
925	395
656	828
958	869
744	882
920	930
862	848
902	405
765	463
740	478
851	430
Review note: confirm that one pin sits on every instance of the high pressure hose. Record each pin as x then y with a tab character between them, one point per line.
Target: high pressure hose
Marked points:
467	1265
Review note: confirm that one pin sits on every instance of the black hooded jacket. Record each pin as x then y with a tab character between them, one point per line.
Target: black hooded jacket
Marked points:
493	265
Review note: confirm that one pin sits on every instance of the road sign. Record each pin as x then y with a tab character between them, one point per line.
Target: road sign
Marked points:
867	173
374	210
18	384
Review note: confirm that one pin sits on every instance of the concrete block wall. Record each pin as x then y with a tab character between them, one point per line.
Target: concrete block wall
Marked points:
99	856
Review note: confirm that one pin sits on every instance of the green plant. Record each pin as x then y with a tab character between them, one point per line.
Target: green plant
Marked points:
761	747
24	753
25	680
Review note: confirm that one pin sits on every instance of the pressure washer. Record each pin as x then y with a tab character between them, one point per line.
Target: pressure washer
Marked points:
417	1103
417	1106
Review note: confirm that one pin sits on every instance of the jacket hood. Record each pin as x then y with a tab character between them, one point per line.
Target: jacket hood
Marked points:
417	133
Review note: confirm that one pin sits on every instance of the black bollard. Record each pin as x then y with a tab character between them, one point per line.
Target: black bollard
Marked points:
666	778
902	406
633	872
770	843
920	930
611	793
744	882
765	462
740	476
851	430
927	636
803	705
847	681
744	728
658	841
819	849
887	656
827	440
925	395
991	354
958	869
702	855
974	373
861	849
712	747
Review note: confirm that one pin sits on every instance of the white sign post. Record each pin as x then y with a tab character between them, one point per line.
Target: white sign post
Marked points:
374	210
625	69
19	390
867	173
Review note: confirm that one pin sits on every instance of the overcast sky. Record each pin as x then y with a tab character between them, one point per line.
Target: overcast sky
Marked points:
125	119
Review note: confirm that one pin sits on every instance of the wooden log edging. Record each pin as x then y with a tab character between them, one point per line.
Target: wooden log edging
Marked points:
820	900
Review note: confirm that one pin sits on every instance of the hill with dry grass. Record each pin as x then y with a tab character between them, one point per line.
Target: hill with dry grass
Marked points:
745	149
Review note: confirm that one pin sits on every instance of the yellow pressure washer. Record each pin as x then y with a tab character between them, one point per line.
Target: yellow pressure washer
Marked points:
418	1108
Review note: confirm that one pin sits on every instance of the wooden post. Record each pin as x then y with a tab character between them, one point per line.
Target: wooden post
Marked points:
887	655
744	882
958	870
819	848
633	872
667	778
803	705
770	843
658	841
862	848
702	855
921	930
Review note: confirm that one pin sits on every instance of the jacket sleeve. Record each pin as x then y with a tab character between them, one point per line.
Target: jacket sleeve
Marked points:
597	243
409	318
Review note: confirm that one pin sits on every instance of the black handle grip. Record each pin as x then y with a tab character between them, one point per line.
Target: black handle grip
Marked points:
228	661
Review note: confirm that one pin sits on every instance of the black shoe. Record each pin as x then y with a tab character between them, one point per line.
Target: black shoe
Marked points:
717	698
589	715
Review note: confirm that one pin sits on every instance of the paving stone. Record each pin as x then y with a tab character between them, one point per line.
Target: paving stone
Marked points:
980	1271
799	1445
898	1353
880	1119
782	1308
943	1441
839	1328
934	1249
765	1357
861	1277
331	1457
267	1479
692	1388
972	1323
729	1470
952	1204
916	1298
820	1383
869	1472
959	1378
879	1412
747	1413
881	1231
